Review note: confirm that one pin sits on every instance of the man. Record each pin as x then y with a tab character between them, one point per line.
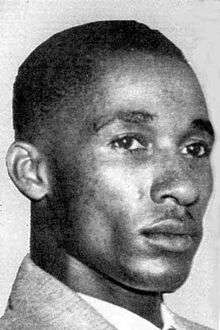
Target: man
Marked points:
112	147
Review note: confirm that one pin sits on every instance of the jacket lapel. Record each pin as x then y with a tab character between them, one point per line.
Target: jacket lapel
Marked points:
39	301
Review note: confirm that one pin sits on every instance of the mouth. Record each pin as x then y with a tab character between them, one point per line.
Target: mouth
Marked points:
173	235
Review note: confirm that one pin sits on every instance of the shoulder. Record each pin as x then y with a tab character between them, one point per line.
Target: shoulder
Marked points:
19	320
184	323
8	322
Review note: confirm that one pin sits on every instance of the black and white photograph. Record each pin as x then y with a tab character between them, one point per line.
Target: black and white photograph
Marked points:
109	158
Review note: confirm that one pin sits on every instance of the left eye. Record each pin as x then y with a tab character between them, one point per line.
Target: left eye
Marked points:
197	149
128	143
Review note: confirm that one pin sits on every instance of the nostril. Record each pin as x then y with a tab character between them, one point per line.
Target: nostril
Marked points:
182	192
168	197
184	200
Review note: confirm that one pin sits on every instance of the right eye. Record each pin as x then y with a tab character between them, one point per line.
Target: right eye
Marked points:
129	143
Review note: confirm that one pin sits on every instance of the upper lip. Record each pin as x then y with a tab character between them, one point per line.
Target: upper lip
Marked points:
176	225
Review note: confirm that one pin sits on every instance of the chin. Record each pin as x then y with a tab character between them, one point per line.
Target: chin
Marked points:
161	277
168	283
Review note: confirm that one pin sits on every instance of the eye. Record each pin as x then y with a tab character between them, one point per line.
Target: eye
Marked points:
196	149
129	143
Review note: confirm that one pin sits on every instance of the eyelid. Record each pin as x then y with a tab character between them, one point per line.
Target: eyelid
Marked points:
138	136
197	139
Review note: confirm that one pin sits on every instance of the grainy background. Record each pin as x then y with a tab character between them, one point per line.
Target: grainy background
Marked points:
195	27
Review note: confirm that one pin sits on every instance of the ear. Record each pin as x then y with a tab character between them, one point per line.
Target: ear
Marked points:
28	170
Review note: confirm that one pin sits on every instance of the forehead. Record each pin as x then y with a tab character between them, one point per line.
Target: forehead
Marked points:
158	84
163	87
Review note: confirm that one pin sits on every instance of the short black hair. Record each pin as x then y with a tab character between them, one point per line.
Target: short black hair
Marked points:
67	60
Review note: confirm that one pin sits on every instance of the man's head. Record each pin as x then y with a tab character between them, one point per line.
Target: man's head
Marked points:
112	125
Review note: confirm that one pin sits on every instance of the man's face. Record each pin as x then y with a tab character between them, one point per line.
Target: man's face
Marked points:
139	180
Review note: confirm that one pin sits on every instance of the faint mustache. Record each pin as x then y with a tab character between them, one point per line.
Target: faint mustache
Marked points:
182	215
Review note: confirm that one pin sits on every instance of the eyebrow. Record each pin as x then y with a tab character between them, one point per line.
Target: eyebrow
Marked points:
136	117
204	125
144	117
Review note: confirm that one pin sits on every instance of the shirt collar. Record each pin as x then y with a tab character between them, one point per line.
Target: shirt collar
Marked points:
124	319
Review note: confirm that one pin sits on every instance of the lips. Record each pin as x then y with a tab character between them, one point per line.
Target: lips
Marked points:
175	234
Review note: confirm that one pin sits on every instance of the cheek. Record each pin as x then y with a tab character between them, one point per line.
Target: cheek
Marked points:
121	182
206	183
127	186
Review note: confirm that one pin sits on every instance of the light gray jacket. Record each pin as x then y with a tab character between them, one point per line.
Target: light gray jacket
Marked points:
39	301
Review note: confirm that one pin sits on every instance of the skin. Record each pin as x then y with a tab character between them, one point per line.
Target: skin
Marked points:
133	175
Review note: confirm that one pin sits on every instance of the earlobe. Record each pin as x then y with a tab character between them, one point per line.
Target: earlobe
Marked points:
28	170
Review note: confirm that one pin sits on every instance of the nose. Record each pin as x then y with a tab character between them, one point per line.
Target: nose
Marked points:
177	187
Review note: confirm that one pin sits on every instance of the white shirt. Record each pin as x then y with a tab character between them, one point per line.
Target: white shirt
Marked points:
123	319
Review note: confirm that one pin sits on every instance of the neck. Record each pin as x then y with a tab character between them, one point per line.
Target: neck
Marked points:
47	254
82	278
